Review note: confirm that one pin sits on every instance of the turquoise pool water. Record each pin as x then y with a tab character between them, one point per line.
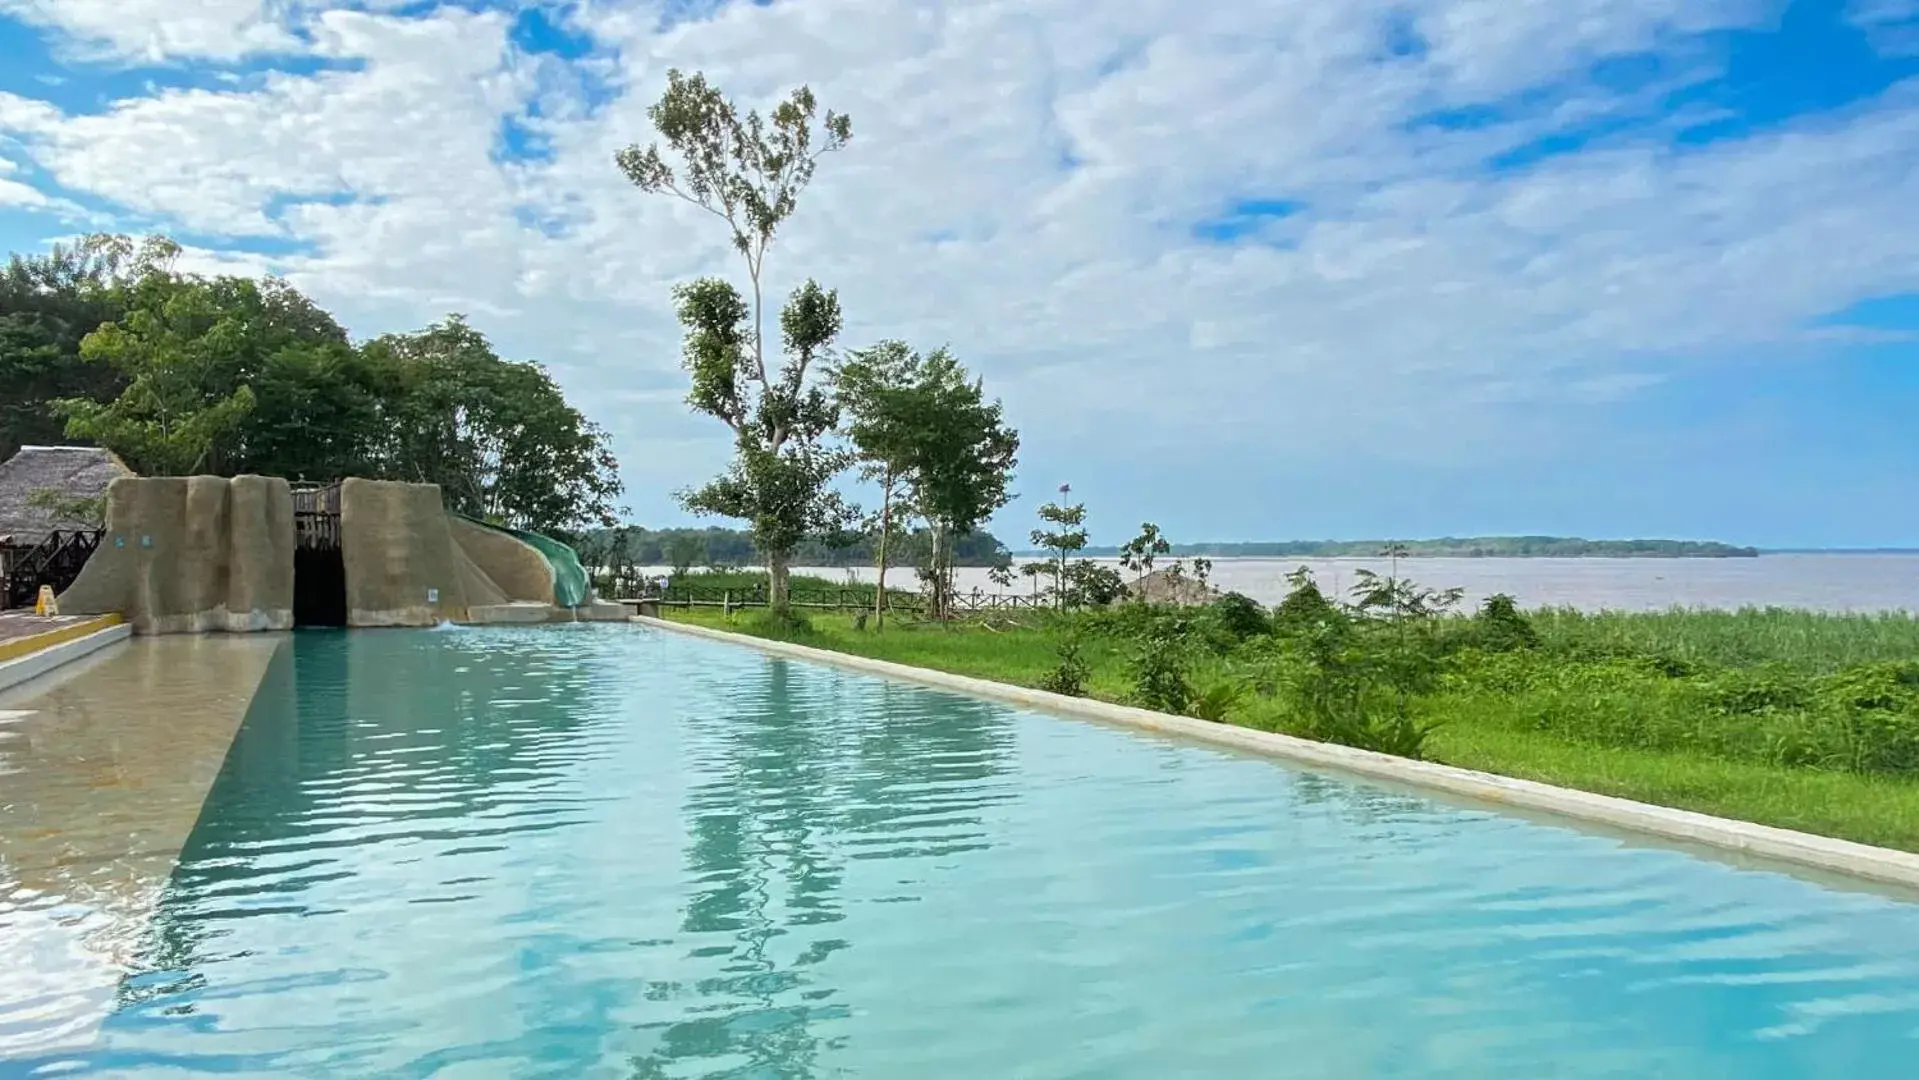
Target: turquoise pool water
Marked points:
611	852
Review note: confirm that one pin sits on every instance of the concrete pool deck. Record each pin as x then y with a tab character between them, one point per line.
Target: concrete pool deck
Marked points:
33	645
104	766
1784	847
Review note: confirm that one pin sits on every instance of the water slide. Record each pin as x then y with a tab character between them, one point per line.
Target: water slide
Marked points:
570	583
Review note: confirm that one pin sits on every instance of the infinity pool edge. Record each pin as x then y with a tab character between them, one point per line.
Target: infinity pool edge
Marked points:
1786	846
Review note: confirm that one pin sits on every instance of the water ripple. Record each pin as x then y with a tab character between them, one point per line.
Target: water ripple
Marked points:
612	853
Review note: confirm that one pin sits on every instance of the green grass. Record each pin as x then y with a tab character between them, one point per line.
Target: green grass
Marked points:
1804	640
1749	715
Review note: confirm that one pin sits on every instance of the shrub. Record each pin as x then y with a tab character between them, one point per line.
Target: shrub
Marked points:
1158	667
1304	606
1090	584
1069	676
1215	701
776	623
1499	627
1355	687
1239	616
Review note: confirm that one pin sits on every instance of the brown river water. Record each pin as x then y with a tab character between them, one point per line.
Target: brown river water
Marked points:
1822	582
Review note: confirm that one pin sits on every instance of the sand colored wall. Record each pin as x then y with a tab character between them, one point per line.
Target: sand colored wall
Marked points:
517	568
191	554
402	566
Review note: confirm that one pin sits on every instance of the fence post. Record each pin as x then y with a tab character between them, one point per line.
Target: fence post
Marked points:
726	603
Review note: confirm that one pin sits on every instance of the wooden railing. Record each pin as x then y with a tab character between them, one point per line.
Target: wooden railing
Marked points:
686	595
56	561
316	517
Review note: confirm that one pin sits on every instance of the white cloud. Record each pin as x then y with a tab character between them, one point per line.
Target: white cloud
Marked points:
1413	283
1891	25
157	30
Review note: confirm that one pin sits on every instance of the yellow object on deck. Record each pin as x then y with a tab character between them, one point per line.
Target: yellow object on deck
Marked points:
47	603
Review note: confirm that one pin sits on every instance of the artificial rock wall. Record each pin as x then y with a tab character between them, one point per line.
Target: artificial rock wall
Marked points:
191	554
409	563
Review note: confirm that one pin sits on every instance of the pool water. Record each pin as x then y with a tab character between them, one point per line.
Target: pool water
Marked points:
615	852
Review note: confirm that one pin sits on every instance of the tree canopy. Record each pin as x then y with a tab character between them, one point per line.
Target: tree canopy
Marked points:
181	373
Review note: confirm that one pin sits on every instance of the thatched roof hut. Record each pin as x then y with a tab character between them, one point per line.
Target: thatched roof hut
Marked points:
73	472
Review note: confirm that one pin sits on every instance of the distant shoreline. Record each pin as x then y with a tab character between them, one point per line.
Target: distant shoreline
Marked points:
1449	547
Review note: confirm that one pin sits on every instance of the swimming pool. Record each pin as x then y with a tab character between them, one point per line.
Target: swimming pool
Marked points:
616	852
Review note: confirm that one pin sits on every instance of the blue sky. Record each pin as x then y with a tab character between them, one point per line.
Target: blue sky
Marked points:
1265	270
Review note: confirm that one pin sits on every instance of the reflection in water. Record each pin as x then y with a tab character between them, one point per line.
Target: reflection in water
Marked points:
102	772
606	853
802	770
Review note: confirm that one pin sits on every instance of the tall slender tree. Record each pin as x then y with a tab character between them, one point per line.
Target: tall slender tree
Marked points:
748	171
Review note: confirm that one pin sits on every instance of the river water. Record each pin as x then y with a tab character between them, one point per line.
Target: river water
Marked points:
1823	582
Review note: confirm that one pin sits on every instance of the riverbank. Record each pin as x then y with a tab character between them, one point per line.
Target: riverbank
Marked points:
1792	719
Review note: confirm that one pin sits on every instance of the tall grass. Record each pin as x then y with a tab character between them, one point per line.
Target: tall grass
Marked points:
1808	641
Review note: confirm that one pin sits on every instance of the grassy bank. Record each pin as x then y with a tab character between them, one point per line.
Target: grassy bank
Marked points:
1794	719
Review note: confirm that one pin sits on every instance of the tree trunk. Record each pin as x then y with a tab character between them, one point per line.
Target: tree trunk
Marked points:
942	587
776	567
886	524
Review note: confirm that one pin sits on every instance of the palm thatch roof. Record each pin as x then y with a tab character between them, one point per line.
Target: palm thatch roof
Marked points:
74	472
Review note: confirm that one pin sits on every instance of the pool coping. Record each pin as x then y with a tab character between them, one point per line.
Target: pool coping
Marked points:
1884	865
56	648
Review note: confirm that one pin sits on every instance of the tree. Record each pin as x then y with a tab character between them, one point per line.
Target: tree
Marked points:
182	353
749	171
925	422
964	460
1066	535
496	435
682	551
874	396
780	479
48	304
1140	552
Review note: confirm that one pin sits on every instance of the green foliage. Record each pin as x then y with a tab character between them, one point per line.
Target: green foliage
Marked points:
923	423
48	305
179	373
69	511
1304	605
1063	533
1498	626
1158	666
496	435
1239	616
779	480
1819	735
749	171
1069	675
1216	700
1091	584
1140	552
1348	683
783	623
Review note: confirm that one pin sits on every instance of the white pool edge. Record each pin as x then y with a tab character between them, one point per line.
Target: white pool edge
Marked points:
35	664
1764	841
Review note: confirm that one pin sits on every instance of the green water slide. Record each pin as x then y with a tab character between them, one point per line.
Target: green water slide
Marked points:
570	584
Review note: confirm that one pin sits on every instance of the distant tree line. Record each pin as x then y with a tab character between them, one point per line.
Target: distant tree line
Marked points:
1502	547
104	342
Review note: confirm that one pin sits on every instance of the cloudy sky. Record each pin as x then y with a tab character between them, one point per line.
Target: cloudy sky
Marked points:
1251	269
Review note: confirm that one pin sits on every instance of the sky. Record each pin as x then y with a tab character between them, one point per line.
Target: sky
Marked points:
1267	269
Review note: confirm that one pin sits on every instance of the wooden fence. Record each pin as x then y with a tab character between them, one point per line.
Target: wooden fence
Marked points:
976	602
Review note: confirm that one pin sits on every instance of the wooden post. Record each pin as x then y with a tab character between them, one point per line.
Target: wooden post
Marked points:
726	603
